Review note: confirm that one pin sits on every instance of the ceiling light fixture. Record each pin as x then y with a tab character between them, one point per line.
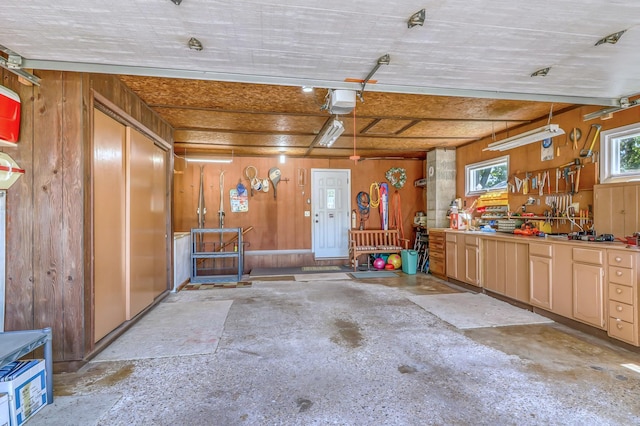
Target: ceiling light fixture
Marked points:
329	133
526	138
611	38
210	160
307	89
177	2
416	19
194	44
541	72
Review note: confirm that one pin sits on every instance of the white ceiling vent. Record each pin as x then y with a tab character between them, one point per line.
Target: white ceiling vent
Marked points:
342	101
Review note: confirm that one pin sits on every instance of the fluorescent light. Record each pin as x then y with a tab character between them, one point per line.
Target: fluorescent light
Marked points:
330	133
210	160
526	138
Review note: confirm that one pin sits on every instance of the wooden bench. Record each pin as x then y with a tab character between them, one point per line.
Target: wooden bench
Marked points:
374	241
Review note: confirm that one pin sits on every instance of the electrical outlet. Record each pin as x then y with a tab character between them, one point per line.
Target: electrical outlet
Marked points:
307	213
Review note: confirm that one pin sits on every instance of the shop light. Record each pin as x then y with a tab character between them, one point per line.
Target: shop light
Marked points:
526	138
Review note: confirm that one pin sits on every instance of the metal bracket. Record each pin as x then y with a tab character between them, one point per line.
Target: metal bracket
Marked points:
382	60
13	63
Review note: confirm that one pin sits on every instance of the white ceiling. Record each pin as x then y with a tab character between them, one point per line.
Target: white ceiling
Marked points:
483	48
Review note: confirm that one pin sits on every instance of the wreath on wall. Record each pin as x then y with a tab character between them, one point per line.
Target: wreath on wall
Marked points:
397	176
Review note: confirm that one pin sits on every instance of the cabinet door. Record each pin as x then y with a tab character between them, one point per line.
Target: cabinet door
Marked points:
540	281
616	209
588	294
108	224
631	210
515	259
489	265
452	259
472	264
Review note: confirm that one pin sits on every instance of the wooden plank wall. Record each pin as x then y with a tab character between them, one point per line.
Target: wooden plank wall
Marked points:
528	158
48	238
280	224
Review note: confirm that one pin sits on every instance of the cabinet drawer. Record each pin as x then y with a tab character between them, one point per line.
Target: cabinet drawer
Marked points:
621	311
436	255
621	293
619	258
543	250
436	267
588	255
621	275
436	246
622	330
471	240
451	237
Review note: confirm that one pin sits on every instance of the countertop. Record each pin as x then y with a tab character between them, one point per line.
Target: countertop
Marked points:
555	239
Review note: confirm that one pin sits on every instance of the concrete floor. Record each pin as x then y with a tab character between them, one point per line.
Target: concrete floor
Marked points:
358	352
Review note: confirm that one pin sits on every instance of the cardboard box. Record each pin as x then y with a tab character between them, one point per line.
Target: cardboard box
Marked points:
27	391
4	409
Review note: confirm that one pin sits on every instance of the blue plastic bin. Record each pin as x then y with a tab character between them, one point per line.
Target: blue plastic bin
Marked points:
409	261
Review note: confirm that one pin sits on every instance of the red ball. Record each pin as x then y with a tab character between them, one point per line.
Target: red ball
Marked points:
389	266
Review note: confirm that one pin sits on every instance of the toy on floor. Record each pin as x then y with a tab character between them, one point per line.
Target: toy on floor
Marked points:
379	263
395	260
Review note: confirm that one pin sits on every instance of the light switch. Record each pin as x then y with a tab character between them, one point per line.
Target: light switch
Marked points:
307	213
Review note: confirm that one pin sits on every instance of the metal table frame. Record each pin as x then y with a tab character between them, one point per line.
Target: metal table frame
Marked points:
16	344
198	254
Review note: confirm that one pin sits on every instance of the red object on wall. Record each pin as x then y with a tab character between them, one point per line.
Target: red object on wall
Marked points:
9	117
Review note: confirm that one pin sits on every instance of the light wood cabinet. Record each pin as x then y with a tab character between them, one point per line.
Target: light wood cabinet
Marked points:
623	299
437	250
472	260
540	275
463	257
588	286
616	209
452	257
505	268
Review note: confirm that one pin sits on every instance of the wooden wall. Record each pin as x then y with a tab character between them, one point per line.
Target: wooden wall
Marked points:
528	158
280	224
48	278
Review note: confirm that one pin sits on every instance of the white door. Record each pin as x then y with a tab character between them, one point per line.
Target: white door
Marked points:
330	212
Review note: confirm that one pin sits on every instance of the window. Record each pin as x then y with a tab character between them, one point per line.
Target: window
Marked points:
620	150
490	175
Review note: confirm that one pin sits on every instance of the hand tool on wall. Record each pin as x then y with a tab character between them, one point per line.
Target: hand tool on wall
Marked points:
221	209
274	177
588	152
577	187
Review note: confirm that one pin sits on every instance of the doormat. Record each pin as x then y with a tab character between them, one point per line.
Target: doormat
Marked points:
321	268
210	286
171	329
322	277
274	278
374	274
469	310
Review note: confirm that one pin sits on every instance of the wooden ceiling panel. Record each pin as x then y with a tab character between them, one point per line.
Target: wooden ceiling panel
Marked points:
386	127
461	129
180	118
253	119
396	143
244	139
237	150
226	96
